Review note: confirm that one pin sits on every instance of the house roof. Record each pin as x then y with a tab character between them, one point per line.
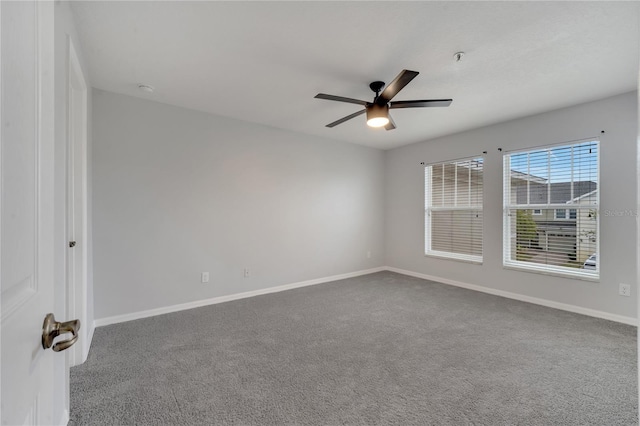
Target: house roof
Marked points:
560	192
583	196
527	176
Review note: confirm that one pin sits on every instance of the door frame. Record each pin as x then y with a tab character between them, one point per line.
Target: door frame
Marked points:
76	258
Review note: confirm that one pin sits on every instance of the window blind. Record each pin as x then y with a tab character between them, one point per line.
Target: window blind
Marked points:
551	208
453	209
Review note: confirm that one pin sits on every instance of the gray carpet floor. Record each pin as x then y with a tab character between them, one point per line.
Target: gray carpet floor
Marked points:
377	349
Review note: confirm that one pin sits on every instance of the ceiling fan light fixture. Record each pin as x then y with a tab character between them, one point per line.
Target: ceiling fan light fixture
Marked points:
377	115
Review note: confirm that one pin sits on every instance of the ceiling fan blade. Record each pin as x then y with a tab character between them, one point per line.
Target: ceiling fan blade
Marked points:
421	103
391	125
340	99
347	118
395	86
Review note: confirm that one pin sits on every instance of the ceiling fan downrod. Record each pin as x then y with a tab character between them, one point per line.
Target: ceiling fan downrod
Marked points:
376	86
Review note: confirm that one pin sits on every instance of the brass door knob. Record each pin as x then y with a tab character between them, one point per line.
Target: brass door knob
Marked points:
52	329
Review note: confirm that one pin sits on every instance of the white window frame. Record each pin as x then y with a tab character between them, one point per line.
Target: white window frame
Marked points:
567	214
537	212
589	275
428	251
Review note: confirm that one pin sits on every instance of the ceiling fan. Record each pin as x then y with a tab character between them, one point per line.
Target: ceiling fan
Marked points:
378	110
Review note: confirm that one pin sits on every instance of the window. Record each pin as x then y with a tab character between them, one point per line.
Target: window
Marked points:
453	209
571	214
551	198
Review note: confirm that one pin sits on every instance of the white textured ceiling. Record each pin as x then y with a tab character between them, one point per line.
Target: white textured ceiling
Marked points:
263	62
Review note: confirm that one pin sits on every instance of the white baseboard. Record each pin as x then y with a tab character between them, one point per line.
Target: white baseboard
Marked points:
221	299
215	300
521	297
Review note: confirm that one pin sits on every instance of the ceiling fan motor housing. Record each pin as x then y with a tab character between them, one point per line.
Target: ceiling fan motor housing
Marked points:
376	86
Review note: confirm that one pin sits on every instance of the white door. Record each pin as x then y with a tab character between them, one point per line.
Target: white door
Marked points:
27	212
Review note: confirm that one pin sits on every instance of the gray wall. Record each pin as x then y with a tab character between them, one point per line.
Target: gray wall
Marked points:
178	192
404	207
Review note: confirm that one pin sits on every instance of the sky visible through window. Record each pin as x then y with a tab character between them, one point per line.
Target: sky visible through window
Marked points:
560	164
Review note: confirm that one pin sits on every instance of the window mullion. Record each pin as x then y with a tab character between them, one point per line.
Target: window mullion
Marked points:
528	180
571	184
548	176
455	184
443	186
469	185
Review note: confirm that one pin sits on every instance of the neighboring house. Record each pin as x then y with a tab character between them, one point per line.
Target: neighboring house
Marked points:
567	230
586	225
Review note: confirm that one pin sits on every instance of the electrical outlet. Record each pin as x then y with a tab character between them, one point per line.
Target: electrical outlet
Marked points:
625	289
204	277
247	272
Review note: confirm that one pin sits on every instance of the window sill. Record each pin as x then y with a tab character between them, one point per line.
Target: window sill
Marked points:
561	274
457	259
